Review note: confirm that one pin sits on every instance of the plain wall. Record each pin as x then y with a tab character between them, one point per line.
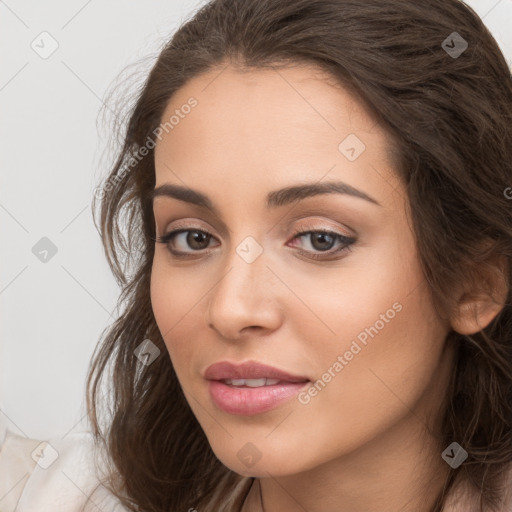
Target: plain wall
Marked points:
52	313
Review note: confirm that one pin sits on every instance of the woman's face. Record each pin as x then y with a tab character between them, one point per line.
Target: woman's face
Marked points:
347	312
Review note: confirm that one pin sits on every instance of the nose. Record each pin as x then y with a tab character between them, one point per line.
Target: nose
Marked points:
245	300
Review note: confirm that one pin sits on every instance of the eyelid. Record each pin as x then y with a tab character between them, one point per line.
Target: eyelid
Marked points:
321	225
188	226
310	225
344	215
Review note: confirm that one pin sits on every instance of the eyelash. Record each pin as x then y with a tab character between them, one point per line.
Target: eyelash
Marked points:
347	241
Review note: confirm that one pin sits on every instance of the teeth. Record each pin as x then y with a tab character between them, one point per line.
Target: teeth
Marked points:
251	383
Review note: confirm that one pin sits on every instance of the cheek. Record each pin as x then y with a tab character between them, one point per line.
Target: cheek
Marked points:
375	300
172	303
384	341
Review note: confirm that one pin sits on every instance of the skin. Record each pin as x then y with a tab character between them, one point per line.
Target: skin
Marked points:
362	443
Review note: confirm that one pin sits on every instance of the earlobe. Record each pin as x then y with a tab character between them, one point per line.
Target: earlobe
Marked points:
477	308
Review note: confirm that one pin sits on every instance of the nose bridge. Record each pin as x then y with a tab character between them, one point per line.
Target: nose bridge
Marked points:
241	297
245	267
246	248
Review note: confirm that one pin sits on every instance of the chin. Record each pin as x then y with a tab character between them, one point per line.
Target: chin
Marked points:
262	460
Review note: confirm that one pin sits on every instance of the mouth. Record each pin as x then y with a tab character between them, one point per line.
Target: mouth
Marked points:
251	383
251	388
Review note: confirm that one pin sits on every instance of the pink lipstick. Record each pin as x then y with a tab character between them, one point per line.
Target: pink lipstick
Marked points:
250	388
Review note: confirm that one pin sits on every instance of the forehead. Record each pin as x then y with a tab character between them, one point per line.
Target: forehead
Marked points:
277	125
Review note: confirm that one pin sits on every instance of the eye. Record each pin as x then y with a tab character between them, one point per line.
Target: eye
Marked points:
196	239
323	241
199	240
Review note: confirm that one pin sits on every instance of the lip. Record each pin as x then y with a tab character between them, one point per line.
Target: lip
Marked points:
249	401
248	370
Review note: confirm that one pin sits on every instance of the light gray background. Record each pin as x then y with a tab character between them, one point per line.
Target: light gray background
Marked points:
52	151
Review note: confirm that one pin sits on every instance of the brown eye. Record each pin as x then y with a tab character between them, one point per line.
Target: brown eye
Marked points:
196	239
322	242
186	240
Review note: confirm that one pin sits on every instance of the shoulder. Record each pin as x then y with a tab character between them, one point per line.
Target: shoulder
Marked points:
57	474
16	466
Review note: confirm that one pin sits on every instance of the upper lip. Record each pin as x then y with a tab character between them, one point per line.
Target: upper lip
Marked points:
249	370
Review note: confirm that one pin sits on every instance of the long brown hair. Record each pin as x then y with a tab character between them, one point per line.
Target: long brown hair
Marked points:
449	119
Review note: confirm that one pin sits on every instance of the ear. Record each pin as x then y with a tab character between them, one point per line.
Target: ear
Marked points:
481	301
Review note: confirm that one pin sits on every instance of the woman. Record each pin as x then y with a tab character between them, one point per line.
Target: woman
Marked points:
316	267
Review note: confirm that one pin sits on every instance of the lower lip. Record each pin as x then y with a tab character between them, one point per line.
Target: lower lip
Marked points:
249	401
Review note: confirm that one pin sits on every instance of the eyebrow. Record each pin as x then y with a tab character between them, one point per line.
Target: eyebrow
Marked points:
275	199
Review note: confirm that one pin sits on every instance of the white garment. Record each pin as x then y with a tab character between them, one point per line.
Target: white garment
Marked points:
54	476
